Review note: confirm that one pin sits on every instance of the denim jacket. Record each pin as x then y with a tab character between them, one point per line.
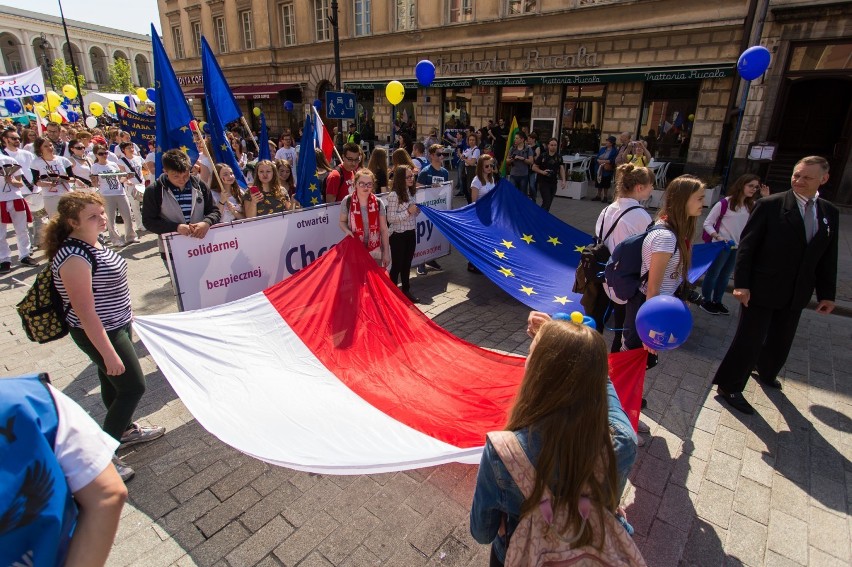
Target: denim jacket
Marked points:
497	495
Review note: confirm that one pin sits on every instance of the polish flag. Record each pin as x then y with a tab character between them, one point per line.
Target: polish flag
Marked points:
334	371
323	139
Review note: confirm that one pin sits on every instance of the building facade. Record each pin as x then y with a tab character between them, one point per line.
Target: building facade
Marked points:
29	39
578	70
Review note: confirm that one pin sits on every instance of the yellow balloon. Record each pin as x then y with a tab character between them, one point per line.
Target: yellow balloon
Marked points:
69	91
56	118
394	92
53	100
41	110
111	107
96	108
256	111
141	94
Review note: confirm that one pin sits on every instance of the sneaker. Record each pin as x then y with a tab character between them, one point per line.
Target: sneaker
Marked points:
421	270
124	471
435	266
5	267
721	309
643	427
709	307
622	519
138	434
28	261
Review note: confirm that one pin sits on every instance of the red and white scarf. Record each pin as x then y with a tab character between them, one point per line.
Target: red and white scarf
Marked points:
356	221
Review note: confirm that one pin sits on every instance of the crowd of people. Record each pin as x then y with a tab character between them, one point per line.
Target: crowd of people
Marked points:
566	418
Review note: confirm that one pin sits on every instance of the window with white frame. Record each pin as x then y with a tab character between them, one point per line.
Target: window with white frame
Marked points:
460	11
321	25
196	38
288	26
177	37
248	29
221	34
362	17
406	11
516	7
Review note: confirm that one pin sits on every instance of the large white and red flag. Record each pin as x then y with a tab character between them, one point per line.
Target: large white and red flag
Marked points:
323	139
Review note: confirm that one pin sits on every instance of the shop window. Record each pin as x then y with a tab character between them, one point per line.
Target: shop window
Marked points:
665	123
221	34
406	115
821	57
459	11
582	115
288	24
321	20
362	17
406	12
516	102
456	109
517	7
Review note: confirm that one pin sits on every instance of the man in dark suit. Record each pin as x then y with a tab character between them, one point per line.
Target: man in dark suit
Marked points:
788	248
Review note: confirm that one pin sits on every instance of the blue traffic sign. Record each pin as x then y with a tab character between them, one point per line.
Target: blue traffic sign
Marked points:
339	106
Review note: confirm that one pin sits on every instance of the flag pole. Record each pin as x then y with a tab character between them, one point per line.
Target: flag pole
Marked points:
193	126
250	133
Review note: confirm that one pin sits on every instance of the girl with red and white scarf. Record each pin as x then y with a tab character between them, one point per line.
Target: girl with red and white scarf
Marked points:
363	216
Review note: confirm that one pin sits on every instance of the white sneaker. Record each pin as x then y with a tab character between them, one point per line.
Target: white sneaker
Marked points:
124	471
138	434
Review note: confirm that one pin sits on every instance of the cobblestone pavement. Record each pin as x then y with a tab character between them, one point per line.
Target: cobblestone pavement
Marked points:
709	488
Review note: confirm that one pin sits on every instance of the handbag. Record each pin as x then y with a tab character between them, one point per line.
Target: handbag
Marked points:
707	237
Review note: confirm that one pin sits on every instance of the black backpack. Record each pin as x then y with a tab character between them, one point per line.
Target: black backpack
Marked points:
594	257
42	311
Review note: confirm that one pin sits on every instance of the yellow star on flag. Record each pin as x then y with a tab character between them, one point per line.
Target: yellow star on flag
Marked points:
554	240
528	238
506	272
184	149
499	254
563	300
314	201
508	244
184	128
527	290
224	147
579	248
312	186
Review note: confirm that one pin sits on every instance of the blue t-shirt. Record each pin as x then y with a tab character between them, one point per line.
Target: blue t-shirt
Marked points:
428	173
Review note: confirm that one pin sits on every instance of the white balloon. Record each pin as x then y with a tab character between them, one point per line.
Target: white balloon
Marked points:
91	121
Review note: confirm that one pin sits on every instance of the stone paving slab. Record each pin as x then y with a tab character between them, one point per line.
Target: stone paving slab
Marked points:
709	487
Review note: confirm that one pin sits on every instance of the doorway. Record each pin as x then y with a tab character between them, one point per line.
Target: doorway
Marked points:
516	102
816	119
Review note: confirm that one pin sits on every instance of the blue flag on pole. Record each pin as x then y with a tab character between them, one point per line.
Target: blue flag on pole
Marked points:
525	250
263	140
173	114
308	190
221	106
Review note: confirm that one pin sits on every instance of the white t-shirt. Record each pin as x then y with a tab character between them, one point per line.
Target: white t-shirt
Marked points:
634	222
483	189
227	215
82	169
25	160
287	153
733	222
662	241
57	166
82	448
108	186
9	192
134	170
205	177
471	153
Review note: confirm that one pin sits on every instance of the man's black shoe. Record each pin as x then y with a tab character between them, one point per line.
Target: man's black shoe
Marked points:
774	383
653	359
736	400
5	267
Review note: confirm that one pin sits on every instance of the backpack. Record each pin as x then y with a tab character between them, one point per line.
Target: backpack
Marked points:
594	257
42	311
535	543
623	271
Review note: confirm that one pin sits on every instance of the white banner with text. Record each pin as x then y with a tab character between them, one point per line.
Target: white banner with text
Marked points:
238	259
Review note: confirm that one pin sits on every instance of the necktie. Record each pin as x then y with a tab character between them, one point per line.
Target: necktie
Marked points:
810	223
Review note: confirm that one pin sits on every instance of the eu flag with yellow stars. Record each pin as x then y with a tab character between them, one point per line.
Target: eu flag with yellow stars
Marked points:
522	248
173	114
308	187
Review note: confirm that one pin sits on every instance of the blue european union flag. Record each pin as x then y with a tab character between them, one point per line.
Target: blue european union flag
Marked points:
220	105
173	114
308	190
263	141
522	248
525	250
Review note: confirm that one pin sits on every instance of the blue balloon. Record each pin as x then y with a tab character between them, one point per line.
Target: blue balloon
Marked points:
73	117
12	105
288	105
425	72
753	62
664	322
38	98
318	104
127	100
152	93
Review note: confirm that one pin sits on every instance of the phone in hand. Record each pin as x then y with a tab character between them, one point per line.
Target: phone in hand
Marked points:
254	190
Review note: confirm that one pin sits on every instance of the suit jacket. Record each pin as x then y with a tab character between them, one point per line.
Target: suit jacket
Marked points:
777	263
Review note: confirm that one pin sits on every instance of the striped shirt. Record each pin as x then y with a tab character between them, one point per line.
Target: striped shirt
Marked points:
184	198
399	219
109	283
662	241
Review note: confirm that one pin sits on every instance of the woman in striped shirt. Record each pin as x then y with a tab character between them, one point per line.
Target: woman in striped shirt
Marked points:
92	280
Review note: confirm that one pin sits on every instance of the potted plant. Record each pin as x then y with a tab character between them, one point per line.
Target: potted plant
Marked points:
573	188
713	192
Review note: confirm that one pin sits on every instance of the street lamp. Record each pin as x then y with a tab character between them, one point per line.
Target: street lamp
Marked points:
43	44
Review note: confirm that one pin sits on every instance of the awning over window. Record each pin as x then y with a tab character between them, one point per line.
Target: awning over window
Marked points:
261	91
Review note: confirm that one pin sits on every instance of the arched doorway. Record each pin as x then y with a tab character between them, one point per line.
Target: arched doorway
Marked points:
815	119
44	55
12	52
142	75
99	65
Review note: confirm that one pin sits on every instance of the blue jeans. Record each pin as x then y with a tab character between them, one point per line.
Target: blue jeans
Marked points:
623	437
717	276
521	182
